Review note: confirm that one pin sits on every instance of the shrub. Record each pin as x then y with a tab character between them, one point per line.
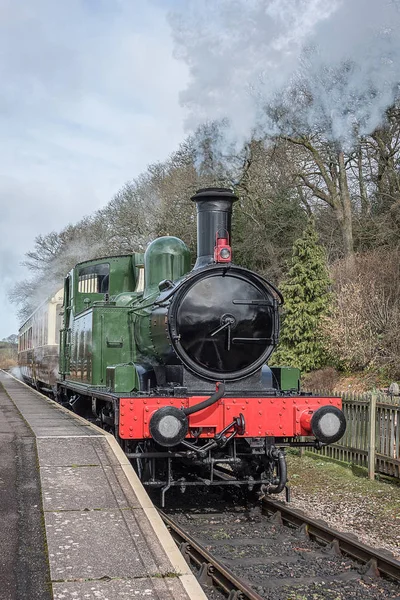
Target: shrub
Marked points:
364	324
307	298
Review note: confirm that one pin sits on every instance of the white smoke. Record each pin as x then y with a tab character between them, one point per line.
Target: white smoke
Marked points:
50	277
291	66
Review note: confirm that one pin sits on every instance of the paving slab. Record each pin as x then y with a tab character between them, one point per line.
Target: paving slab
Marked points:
168	588
82	545
86	487
35	407
81	451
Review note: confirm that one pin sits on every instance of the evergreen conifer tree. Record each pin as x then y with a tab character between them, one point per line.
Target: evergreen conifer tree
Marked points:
307	299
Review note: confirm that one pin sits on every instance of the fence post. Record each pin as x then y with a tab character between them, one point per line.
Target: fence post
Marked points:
371	436
302	449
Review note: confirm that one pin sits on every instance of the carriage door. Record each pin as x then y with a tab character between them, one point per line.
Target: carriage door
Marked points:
65	331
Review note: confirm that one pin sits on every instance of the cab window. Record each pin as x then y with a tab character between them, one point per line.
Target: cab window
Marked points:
94	279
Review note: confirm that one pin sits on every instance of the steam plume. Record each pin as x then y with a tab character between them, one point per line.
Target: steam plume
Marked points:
290	66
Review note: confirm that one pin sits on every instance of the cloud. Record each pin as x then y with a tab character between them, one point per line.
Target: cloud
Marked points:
89	98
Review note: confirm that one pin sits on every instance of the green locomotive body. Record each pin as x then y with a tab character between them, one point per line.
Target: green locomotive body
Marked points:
106	343
112	335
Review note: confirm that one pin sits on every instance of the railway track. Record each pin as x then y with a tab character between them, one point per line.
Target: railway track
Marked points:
211	570
274	552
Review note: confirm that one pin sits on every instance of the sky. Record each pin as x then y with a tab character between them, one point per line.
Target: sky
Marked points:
89	97
92	91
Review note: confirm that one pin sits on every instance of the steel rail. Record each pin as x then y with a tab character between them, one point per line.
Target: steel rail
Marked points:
222	577
380	560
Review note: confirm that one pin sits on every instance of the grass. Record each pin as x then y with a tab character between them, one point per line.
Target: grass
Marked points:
333	492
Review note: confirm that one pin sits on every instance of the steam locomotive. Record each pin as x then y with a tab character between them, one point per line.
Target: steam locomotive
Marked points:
173	361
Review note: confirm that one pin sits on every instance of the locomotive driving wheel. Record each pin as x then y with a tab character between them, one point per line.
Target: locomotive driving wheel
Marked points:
107	418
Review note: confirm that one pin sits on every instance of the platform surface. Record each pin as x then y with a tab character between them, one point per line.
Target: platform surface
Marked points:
77	523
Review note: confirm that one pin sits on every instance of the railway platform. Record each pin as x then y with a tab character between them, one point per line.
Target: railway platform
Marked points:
76	521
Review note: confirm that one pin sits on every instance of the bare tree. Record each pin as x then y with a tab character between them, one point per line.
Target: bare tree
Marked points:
322	168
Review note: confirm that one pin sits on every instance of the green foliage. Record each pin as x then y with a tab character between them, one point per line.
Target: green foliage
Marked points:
307	300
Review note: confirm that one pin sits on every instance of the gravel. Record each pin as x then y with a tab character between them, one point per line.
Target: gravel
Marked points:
349	503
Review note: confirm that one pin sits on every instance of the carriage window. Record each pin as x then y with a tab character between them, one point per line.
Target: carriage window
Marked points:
94	279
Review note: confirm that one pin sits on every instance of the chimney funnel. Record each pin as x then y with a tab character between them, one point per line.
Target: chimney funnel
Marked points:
214	216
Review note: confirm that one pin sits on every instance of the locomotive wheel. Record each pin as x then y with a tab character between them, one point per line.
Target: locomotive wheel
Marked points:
107	418
145	466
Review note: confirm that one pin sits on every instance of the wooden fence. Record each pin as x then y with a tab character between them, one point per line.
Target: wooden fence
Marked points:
370	442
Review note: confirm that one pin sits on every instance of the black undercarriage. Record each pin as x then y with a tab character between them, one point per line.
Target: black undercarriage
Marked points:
241	463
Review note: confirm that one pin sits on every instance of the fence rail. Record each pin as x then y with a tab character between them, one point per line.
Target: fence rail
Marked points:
372	437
